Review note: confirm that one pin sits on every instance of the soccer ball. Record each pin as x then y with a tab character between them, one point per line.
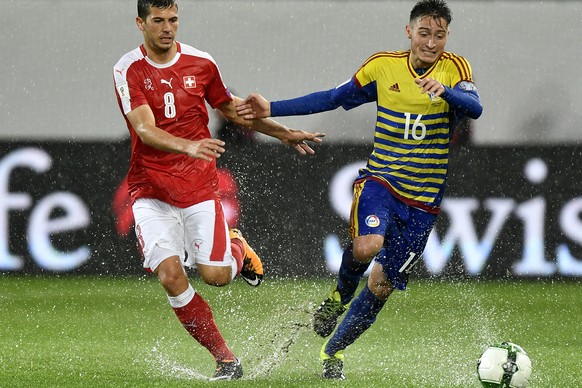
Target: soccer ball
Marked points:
504	365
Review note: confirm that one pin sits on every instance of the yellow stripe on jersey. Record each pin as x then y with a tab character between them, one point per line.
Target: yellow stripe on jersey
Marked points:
411	142
354	226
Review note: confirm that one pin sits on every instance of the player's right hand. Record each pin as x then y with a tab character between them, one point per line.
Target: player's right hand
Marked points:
254	106
205	149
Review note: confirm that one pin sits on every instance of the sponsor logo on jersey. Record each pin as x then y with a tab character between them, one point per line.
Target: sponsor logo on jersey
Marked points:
372	221
197	245
169	83
189	82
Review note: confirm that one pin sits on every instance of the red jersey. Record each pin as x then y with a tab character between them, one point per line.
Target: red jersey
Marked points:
176	92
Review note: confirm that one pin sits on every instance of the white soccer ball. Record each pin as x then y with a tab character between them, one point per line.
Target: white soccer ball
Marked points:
504	365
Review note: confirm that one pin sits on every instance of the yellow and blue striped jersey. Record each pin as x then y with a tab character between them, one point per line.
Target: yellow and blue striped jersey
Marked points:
413	130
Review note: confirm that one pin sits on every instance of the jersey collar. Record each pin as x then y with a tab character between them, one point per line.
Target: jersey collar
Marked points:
426	73
162	65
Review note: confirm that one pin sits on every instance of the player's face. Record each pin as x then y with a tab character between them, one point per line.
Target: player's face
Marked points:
159	28
428	37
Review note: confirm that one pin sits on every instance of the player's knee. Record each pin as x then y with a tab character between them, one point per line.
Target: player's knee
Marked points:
366	247
382	291
173	279
380	288
378	284
216	276
364	255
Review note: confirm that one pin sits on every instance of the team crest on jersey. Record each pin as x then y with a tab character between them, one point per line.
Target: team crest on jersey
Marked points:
189	82
123	91
372	221
148	84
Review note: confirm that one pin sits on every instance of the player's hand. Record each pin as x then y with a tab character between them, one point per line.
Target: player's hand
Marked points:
297	139
205	149
431	86
254	107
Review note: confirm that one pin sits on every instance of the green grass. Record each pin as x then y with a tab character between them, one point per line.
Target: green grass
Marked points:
121	332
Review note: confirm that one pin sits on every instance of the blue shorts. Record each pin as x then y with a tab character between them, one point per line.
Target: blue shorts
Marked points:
375	210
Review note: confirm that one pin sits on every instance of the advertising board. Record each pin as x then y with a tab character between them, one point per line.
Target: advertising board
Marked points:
508	212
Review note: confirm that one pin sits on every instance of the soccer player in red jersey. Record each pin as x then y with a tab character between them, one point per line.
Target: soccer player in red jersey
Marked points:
162	90
420	94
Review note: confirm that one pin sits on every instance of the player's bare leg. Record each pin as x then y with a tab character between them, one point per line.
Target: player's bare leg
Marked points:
215	275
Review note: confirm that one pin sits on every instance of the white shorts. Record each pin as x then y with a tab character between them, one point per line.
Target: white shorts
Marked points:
197	234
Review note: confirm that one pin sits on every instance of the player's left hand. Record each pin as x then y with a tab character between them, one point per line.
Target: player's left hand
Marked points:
297	139
431	86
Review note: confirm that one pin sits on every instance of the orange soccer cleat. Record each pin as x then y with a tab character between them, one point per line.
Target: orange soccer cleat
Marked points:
252	270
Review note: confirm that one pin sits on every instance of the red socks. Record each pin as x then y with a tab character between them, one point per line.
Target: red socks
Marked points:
238	252
197	319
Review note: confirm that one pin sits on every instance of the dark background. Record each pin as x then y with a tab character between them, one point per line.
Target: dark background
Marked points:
285	210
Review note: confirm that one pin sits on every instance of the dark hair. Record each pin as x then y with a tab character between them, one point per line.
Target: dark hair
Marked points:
144	6
436	9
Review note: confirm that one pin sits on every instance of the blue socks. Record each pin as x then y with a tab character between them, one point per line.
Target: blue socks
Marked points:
360	316
350	274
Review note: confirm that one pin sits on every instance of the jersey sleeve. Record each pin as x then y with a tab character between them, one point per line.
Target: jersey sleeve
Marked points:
464	99
367	73
129	92
216	92
459	69
461	93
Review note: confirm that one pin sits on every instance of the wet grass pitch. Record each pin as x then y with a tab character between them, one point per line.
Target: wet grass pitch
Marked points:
92	331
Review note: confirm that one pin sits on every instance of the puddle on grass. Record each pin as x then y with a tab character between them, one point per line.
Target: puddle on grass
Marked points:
257	363
160	363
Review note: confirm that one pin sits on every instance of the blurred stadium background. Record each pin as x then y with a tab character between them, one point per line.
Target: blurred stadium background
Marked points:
513	206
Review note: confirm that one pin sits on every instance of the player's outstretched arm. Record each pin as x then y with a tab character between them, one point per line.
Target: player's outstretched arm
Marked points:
292	137
253	107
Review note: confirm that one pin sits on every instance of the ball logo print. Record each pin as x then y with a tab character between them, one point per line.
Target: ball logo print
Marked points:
504	365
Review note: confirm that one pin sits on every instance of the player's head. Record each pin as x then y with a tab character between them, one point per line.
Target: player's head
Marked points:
144	6
436	9
428	31
158	20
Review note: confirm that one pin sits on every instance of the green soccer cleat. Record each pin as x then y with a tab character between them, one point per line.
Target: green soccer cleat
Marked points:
333	366
227	370
326	316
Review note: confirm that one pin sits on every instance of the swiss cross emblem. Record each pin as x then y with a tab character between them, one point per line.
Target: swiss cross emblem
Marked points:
189	82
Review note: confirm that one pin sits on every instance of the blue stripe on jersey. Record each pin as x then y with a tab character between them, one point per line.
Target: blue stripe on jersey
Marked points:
398	164
402	116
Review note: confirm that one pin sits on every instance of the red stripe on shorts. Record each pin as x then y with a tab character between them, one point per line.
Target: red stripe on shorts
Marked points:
219	246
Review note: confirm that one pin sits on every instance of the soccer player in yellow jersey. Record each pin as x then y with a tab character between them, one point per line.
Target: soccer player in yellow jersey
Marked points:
421	94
